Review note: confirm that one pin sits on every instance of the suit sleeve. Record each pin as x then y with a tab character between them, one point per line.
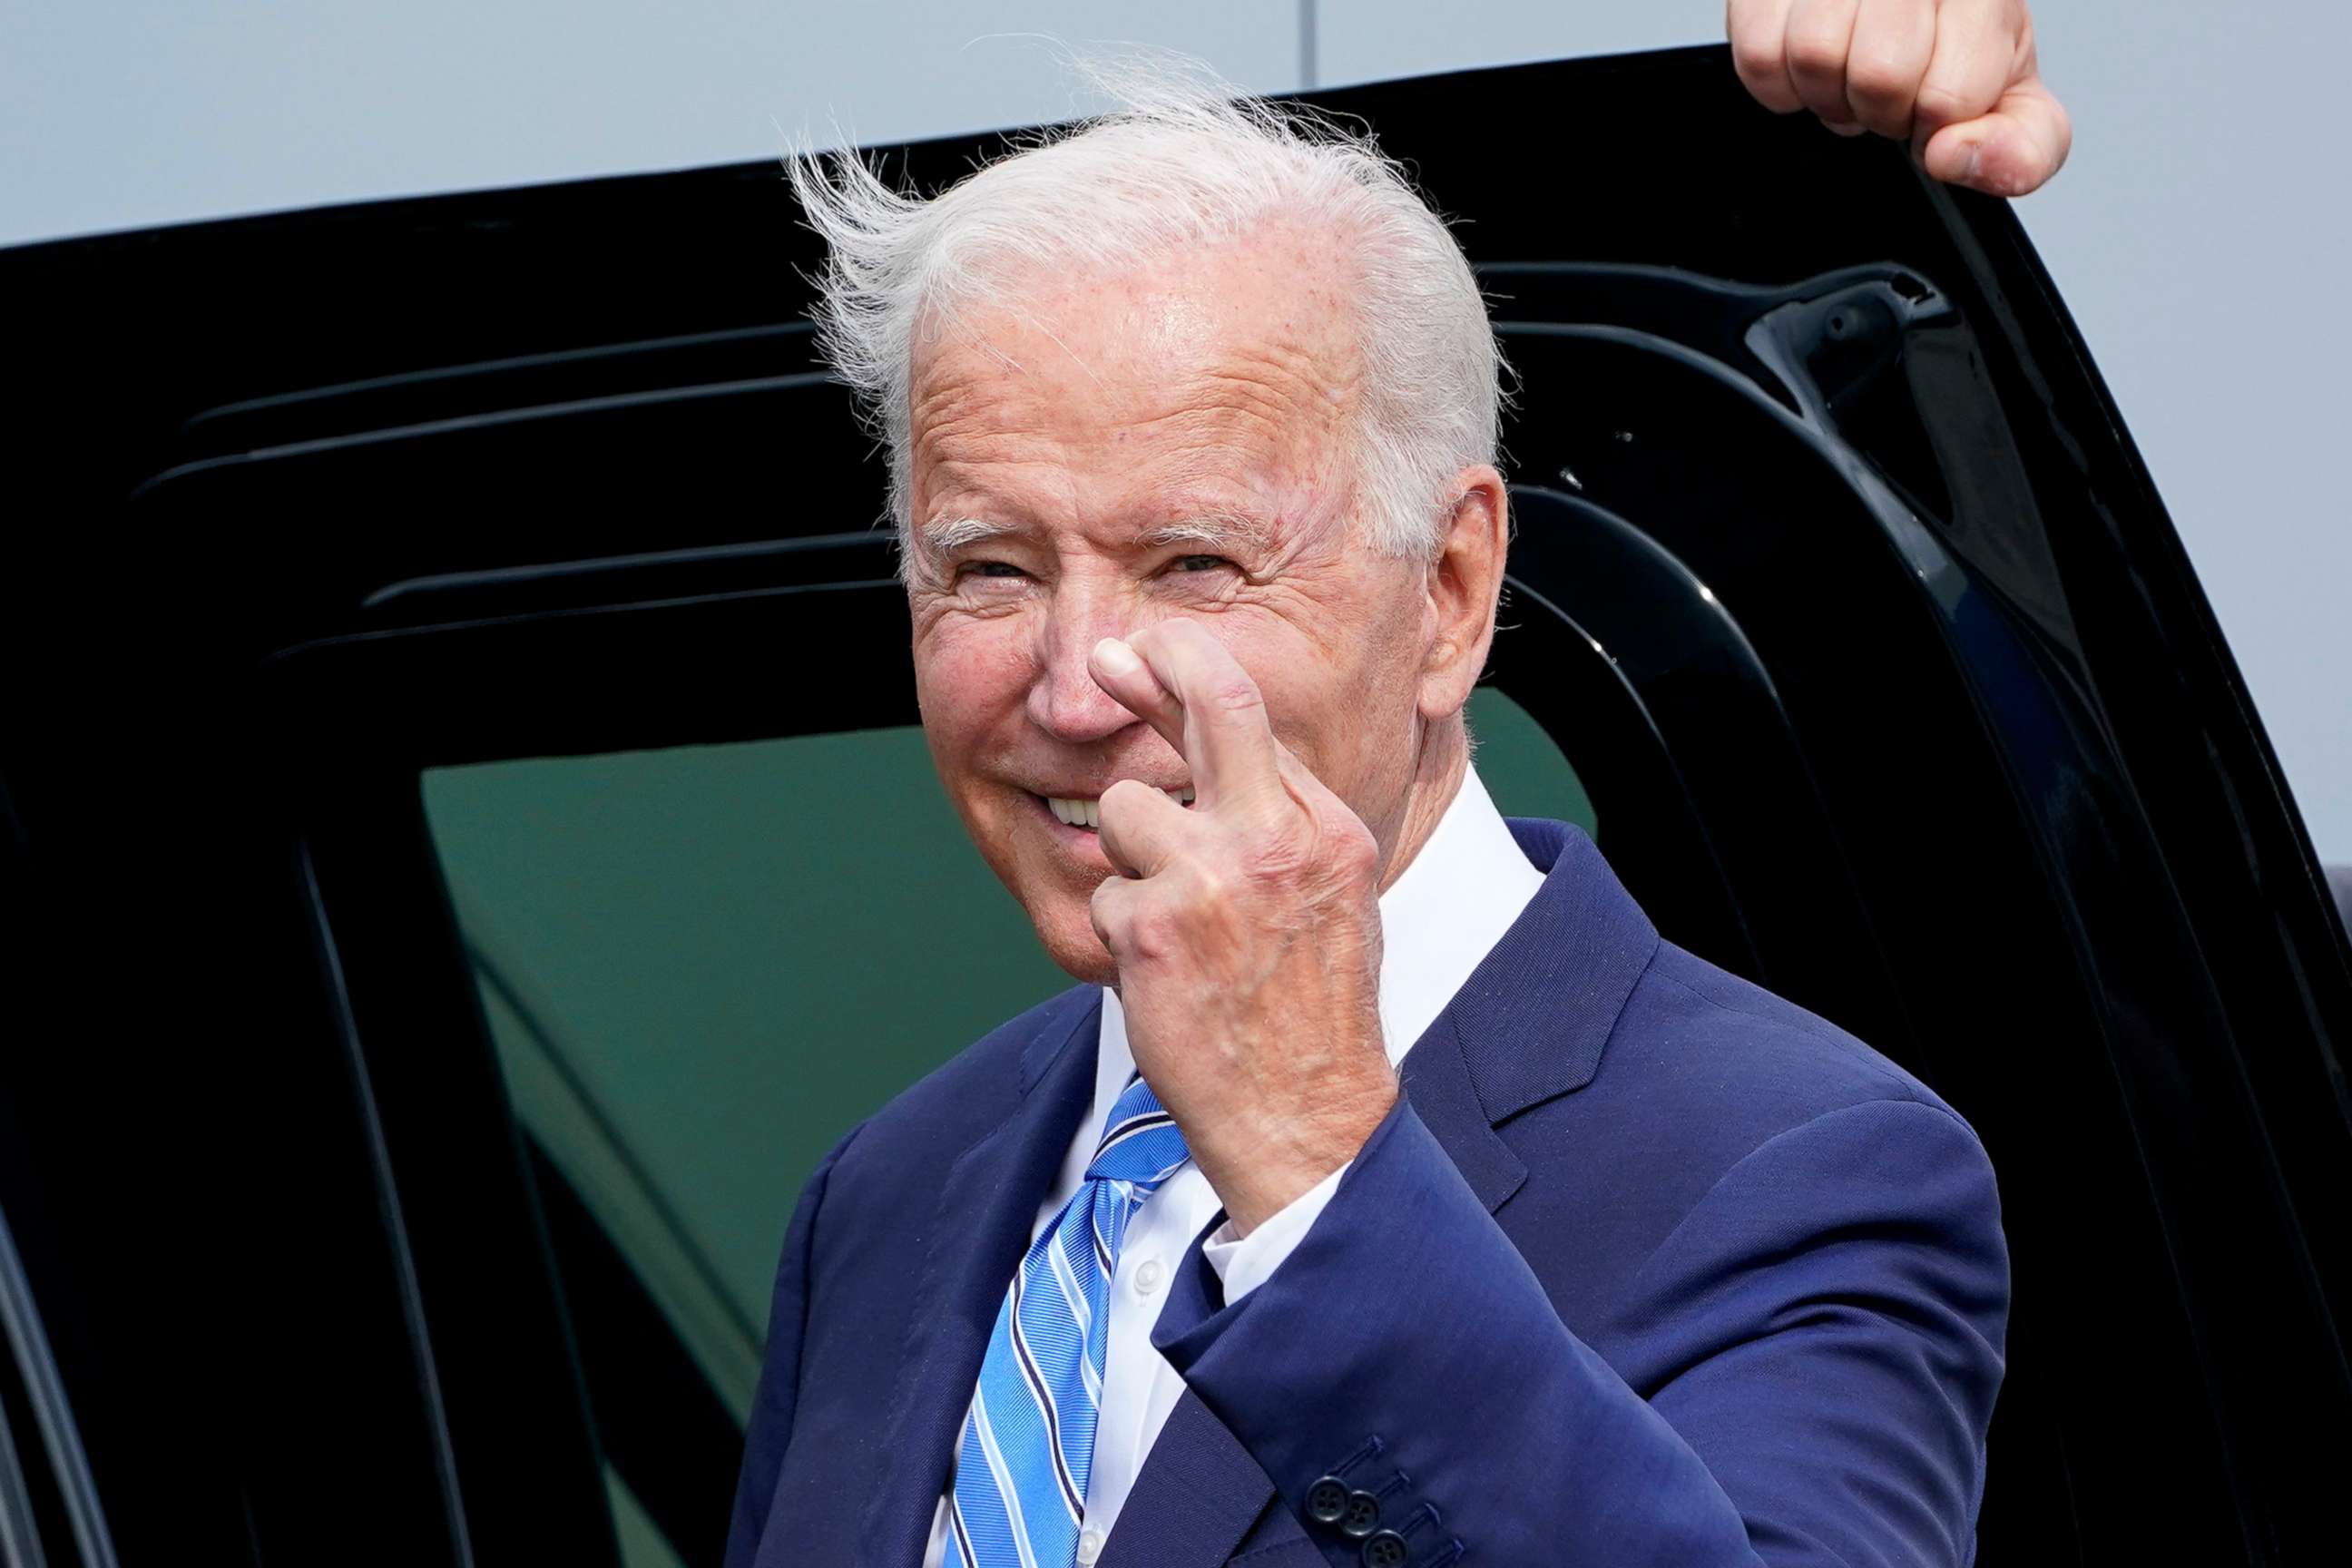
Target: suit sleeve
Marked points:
770	1432
1830	1316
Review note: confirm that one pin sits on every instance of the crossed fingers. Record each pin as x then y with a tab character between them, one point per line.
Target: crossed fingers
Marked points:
1186	685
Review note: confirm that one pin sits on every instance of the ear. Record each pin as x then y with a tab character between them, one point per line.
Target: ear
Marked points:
1462	584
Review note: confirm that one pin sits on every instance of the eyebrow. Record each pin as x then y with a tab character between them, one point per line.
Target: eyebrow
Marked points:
1221	530
946	535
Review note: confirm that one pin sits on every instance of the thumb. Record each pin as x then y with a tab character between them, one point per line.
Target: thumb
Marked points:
2009	151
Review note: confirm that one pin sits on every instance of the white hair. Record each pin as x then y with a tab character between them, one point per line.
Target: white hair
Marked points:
1179	162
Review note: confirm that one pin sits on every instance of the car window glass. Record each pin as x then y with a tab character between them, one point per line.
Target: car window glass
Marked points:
643	1545
1522	765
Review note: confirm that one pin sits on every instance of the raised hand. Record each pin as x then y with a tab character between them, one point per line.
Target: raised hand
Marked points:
1956	78
1246	928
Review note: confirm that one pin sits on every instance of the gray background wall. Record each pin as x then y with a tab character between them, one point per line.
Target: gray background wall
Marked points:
2192	233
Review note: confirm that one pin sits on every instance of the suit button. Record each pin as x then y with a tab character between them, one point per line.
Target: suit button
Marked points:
1361	1517
1386	1549
1327	1500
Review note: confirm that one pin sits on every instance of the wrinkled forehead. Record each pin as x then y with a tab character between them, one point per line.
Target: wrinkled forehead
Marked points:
1246	347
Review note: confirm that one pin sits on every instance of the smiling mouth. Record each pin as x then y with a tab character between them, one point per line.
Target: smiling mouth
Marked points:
1073	812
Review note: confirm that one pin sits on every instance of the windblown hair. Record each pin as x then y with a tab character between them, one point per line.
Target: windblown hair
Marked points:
1179	162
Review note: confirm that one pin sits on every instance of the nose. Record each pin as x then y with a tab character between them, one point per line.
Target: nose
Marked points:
1063	699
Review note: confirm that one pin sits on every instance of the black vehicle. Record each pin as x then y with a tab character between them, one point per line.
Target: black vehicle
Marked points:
467	851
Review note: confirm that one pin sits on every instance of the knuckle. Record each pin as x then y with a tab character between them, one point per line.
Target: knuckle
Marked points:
1348	856
1770	87
1880	80
1108	930
1356	853
1153	935
1235	695
1816	55
1755	54
1940	103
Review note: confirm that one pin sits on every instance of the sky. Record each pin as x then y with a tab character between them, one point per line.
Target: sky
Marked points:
2203	195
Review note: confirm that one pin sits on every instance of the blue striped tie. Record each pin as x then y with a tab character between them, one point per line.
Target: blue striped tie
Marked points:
1029	1438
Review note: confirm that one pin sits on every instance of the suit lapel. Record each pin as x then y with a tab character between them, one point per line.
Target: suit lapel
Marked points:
978	1235
1529	1025
1536	1015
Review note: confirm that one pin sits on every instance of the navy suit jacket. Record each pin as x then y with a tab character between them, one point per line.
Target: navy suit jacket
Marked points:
1645	1267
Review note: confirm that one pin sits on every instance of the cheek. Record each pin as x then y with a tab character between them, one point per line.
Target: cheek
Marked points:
1387	673
1346	706
1308	692
970	678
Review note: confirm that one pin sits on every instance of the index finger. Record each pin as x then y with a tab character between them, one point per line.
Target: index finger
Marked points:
1227	736
1759	34
1120	671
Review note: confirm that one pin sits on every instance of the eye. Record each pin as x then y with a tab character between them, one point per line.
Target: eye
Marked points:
1198	563
989	569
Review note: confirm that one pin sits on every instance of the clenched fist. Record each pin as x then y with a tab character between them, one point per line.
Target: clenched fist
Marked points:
1246	928
1956	78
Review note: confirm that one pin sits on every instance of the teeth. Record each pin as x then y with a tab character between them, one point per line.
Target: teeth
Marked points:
1088	813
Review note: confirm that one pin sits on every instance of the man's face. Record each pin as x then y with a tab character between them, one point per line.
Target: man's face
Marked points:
1173	440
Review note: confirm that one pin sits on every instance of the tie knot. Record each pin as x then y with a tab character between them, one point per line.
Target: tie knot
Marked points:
1140	1144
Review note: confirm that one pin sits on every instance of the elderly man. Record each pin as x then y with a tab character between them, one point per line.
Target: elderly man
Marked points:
1191	419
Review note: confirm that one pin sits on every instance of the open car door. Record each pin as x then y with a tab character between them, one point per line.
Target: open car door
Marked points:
436	628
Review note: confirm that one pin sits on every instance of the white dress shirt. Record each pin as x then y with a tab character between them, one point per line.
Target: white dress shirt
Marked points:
1438	920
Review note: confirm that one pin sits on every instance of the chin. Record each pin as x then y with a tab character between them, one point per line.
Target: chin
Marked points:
1067	933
